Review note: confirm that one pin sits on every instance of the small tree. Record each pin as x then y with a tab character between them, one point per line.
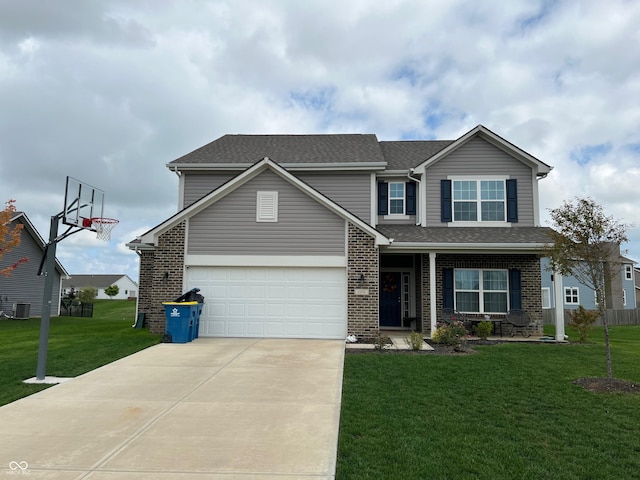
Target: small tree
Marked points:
585	241
9	237
582	320
87	294
112	291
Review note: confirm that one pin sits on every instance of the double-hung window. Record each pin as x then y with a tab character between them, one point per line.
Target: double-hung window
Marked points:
479	201
396	198
628	269
481	291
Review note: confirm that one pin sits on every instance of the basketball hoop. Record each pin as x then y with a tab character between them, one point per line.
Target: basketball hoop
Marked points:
103	227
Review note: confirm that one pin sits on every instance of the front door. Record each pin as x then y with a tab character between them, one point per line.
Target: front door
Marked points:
390	299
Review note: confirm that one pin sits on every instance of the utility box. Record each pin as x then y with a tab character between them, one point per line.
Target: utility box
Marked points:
21	311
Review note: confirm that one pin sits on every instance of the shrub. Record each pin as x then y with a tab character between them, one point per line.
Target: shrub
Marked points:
483	329
583	319
380	341
415	341
453	334
87	294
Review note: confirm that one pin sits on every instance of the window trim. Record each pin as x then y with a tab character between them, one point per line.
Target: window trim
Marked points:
547	291
628	272
481	291
478	201
572	295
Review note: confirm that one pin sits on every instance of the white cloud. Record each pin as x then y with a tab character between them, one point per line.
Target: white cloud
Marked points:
109	92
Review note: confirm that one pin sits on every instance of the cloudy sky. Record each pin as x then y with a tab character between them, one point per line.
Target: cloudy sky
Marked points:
109	91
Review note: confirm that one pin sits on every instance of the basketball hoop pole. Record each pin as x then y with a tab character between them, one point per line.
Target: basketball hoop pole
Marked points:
49	274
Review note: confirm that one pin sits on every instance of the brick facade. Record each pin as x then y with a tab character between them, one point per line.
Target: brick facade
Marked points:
529	266
161	274
363	260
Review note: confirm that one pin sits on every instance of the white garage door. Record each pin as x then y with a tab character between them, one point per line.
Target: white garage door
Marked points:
274	302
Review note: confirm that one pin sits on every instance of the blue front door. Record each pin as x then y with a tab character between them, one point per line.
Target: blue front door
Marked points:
390	296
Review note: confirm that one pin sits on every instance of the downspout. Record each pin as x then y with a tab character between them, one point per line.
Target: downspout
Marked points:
178	173
418	200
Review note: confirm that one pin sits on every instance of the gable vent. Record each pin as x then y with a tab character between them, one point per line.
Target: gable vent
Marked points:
267	207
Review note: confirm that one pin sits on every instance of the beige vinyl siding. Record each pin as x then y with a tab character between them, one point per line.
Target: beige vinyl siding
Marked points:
390	220
352	191
478	157
229	226
197	185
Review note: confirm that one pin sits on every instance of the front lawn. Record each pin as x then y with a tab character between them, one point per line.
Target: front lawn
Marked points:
76	345
508	411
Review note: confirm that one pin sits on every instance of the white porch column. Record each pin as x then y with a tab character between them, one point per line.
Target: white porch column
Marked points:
558	297
432	292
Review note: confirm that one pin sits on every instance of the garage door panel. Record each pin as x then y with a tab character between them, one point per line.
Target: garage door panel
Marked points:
271	301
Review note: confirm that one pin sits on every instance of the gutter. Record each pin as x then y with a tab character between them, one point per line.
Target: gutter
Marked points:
471	247
351	166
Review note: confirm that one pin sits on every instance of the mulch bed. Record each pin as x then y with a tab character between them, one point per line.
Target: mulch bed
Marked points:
437	349
608	385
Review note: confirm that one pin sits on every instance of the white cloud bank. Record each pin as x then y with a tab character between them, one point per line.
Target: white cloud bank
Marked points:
110	91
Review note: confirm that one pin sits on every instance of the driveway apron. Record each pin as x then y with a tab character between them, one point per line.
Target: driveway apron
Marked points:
215	408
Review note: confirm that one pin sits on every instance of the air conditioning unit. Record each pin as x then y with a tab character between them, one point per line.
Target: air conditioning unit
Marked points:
21	311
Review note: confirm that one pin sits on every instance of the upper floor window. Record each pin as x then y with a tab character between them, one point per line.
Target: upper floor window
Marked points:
571	296
397	198
479	200
628	271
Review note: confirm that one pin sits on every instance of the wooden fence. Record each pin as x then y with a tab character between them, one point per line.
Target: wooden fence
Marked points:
614	317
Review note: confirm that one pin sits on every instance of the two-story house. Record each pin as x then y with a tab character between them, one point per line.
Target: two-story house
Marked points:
620	291
324	236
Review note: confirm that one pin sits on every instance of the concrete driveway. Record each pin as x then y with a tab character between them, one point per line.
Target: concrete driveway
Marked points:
210	409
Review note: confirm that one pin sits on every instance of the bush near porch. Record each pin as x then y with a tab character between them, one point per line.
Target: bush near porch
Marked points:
507	411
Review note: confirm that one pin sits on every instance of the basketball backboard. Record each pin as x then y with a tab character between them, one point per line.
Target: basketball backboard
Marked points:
81	203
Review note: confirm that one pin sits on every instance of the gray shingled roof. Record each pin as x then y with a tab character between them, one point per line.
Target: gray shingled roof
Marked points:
98	281
248	149
406	154
471	235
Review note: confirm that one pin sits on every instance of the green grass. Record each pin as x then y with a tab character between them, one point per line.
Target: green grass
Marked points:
76	345
509	411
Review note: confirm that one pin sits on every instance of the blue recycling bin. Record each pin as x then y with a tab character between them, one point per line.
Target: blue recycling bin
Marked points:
181	320
196	321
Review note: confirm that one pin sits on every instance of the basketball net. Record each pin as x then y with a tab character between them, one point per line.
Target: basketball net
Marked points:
103	227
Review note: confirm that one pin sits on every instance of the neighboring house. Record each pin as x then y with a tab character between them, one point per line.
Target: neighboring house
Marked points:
324	236
620	293
25	286
128	289
636	278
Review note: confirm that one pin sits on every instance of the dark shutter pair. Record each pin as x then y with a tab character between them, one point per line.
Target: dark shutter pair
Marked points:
515	288
409	193
446	201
